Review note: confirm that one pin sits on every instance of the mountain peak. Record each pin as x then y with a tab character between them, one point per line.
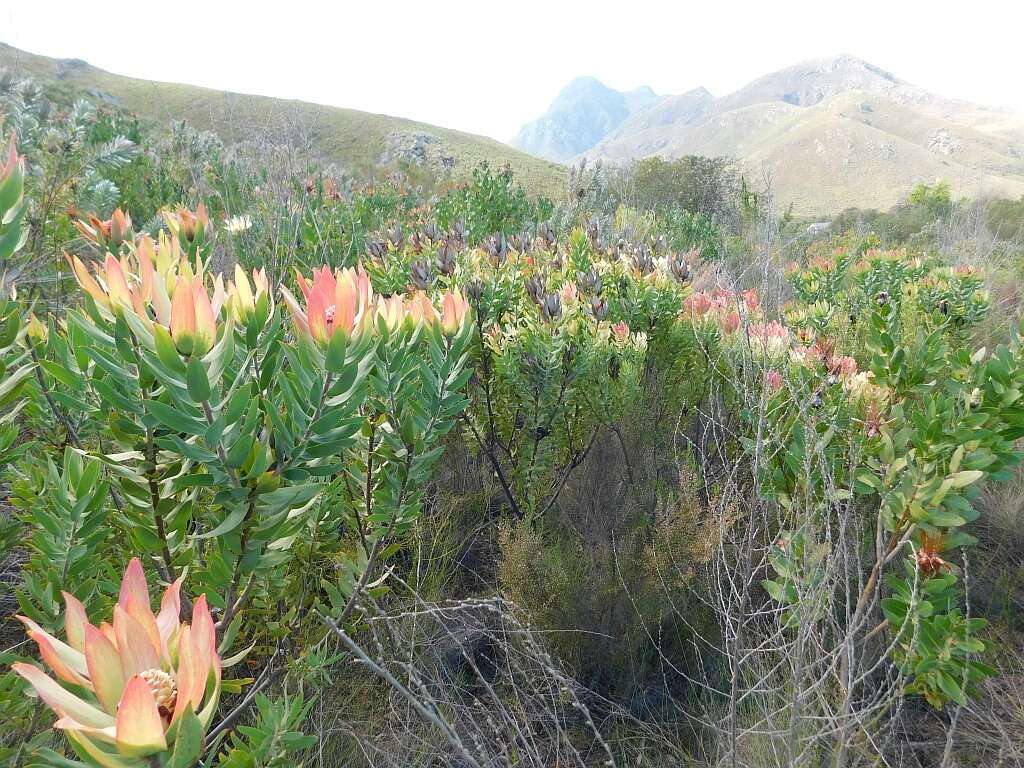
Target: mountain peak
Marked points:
813	81
851	65
584	111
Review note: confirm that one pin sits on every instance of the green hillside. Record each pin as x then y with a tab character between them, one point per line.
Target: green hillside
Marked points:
360	142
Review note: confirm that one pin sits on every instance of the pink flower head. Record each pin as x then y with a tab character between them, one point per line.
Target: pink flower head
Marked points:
723	298
109	234
730	322
842	365
188	227
454	311
131	680
193	323
12	166
335	302
697	305
769	338
750	300
774	380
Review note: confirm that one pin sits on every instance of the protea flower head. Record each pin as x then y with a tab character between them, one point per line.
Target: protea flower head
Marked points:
698	304
454	311
109	234
422	275
446	260
928	557
536	288
496	246
841	366
336	302
236	225
122	688
457	234
679	268
116	284
551	306
432	232
243	303
193	322
522	242
643	261
475	290
730	322
189	228
750	300
12	176
392	311
159	286
589	281
568	293
768	338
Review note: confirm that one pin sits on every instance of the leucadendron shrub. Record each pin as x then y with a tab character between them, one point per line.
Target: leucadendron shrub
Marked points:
874	409
261	442
566	337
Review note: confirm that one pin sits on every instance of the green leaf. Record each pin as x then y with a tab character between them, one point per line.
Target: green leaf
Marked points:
335	358
166	352
51	758
10	383
950	687
228	524
188	743
966	477
776	590
174	419
196	381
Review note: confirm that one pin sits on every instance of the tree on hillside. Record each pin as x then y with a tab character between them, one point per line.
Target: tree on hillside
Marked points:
706	185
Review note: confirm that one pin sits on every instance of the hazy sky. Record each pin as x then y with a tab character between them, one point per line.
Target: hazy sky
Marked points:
489	66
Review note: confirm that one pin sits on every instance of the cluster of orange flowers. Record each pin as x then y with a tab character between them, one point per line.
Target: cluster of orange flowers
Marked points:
722	306
343	301
159	284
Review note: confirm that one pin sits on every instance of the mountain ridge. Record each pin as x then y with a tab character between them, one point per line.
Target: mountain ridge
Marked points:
831	133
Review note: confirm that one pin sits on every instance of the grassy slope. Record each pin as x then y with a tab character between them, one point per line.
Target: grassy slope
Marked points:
355	140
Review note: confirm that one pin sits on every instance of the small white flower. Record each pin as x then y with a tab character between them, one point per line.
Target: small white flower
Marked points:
238	224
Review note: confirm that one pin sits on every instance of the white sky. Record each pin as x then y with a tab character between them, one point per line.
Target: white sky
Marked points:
488	66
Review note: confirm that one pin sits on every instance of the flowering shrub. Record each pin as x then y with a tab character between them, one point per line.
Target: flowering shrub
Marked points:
564	332
899	424
220	437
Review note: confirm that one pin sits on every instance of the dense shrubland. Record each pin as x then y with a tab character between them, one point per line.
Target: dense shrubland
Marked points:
440	476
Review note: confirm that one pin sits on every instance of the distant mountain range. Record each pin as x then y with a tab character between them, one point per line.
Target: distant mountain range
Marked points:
829	133
360	143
